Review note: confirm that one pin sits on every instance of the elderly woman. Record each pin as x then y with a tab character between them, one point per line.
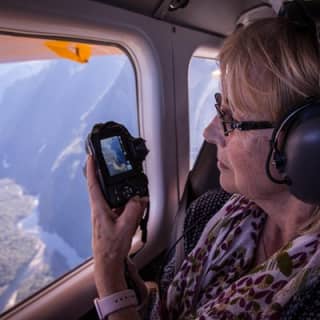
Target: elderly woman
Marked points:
262	245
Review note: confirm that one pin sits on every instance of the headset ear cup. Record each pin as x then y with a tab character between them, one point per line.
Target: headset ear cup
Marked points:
279	160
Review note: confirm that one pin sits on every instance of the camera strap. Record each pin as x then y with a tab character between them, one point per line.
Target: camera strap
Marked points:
144	224
178	232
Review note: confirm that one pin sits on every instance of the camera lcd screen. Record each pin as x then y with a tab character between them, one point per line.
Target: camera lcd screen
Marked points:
115	156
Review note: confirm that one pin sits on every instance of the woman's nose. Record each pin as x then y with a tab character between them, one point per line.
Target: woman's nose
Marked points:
213	133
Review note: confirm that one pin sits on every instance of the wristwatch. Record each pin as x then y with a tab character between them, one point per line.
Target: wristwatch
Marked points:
115	302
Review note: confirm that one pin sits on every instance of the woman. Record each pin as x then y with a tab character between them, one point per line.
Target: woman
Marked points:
257	251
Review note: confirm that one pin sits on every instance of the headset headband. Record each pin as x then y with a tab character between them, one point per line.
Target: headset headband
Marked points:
303	13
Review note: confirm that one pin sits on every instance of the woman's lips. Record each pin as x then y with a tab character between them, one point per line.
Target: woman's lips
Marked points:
222	165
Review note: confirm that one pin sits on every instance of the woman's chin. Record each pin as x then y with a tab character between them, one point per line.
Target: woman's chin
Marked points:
227	183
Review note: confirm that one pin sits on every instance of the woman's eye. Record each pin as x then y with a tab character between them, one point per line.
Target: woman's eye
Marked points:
228	115
225	101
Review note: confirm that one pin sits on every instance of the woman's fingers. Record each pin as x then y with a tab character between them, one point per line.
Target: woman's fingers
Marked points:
118	211
98	203
112	234
133	212
95	195
133	272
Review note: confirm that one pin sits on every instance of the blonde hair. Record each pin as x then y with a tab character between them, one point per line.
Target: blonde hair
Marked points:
268	67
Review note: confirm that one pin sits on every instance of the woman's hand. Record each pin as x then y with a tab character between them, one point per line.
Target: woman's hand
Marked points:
140	285
111	235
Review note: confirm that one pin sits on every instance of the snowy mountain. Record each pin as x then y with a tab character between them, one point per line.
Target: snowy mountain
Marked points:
48	108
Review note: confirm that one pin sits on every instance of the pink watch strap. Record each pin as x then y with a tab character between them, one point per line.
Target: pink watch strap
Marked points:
114	302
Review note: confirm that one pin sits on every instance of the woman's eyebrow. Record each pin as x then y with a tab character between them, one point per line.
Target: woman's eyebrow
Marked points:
225	107
225	102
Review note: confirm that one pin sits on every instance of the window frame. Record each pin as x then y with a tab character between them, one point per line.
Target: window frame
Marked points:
161	54
86	261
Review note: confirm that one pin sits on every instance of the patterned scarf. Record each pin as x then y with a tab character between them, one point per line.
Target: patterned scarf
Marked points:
217	281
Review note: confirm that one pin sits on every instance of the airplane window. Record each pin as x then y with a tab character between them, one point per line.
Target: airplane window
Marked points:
51	94
204	79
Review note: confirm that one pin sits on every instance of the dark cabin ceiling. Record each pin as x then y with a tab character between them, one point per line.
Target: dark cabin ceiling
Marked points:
213	16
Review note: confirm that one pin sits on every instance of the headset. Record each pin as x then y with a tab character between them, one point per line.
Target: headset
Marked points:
295	142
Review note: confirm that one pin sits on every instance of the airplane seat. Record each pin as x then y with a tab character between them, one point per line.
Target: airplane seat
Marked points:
204	195
202	198
204	175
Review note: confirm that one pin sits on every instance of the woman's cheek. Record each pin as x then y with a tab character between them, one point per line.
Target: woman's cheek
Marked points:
254	145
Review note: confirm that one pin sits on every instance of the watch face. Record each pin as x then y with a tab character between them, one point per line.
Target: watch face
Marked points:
115	156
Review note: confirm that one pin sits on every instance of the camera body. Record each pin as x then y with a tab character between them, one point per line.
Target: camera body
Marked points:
118	159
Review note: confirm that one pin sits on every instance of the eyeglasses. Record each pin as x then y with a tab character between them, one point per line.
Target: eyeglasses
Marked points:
229	124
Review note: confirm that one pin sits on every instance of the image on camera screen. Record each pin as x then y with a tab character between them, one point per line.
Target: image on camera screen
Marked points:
115	156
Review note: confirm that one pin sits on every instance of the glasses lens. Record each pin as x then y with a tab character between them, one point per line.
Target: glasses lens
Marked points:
84	170
221	114
218	98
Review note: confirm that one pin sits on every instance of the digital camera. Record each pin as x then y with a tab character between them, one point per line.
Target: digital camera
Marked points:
118	159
